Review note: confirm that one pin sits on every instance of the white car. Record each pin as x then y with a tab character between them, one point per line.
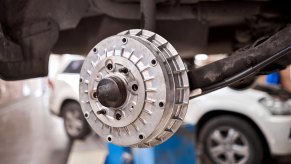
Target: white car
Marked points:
64	98
240	127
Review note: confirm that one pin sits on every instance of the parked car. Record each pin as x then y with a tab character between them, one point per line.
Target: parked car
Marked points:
240	126
64	98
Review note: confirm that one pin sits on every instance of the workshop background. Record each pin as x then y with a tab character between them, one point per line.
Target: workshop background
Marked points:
161	48
31	133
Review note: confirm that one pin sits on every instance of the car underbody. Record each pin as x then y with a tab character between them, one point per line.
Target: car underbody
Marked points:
30	30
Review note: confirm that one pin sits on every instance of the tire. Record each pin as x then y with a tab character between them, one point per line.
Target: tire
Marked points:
75	124
229	137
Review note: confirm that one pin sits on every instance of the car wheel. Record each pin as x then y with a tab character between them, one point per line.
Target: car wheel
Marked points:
75	124
229	140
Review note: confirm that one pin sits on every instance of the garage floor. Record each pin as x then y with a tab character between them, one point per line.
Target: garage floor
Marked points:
29	134
91	151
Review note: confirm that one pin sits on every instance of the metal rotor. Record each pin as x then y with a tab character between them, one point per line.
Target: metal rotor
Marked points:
134	89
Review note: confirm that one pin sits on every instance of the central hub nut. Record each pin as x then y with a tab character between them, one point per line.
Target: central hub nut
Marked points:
111	92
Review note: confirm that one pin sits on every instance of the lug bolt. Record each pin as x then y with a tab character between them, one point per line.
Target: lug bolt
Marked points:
123	70
102	111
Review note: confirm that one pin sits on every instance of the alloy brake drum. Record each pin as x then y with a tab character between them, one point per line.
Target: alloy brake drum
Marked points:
134	89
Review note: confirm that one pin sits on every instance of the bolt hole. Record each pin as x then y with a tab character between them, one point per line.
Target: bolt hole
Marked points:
94	50
134	87
109	66
81	80
154	62
161	104
98	76
118	116
109	139
95	95
124	40
141	136
86	115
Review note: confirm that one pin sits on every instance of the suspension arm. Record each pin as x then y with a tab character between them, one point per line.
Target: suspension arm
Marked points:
241	64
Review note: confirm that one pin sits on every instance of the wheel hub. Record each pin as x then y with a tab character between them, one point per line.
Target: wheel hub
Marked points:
134	89
111	92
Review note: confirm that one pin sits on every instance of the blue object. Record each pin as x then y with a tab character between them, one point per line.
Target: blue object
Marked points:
116	153
180	148
273	78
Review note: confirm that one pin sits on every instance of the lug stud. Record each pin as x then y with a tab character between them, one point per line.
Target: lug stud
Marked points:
102	111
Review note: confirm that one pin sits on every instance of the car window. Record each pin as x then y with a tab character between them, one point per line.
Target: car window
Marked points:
74	66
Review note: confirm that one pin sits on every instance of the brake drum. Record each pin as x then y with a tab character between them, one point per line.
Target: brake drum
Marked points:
134	89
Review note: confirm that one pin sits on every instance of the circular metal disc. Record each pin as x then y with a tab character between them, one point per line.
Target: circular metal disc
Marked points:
156	97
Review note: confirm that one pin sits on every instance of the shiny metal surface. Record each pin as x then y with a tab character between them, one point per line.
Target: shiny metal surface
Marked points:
157	89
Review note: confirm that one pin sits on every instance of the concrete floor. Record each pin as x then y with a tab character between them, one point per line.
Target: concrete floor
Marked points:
91	151
30	134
